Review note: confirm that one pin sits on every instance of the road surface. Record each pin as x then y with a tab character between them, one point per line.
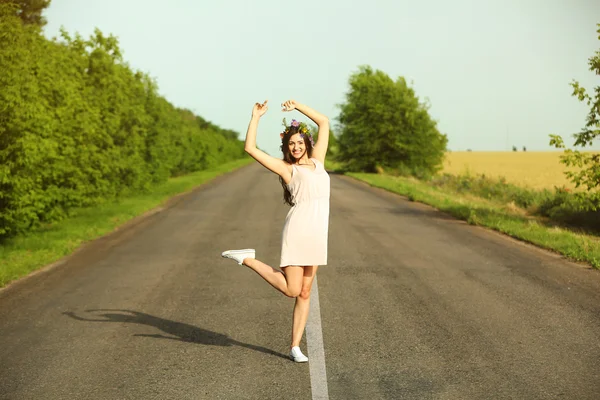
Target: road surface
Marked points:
413	305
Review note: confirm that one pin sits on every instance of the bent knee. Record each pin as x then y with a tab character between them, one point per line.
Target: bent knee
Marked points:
304	294
293	292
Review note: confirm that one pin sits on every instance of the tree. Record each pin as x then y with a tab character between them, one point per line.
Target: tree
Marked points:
30	11
514	148
384	125
79	127
587	163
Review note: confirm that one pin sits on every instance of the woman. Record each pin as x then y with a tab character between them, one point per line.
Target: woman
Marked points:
306	188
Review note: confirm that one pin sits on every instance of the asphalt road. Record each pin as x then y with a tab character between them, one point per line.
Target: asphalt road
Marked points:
413	305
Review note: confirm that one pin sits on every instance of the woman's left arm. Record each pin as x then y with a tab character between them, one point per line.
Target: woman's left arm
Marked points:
320	148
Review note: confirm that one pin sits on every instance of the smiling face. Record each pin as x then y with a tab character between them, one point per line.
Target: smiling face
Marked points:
297	146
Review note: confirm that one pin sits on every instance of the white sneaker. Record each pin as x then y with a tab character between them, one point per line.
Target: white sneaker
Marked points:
297	356
239	255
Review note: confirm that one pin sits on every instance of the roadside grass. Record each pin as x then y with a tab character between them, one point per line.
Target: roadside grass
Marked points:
500	215
25	253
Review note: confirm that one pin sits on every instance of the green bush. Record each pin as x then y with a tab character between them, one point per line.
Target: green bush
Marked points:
560	204
383	124
78	127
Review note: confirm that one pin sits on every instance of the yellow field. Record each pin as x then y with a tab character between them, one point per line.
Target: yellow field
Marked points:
533	169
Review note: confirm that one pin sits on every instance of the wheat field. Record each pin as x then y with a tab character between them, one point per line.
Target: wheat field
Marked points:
536	170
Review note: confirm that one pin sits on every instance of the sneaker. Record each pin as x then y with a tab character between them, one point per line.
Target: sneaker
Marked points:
239	255
297	356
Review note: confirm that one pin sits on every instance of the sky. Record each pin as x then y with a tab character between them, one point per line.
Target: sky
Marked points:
496	73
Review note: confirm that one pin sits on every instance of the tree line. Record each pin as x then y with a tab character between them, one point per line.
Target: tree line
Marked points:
79	127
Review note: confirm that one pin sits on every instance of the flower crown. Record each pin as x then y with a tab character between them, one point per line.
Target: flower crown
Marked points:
302	130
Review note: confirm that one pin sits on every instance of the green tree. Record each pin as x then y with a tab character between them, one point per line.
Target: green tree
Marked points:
383	124
587	164
79	127
30	11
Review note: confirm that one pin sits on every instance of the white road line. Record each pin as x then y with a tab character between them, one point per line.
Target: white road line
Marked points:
316	352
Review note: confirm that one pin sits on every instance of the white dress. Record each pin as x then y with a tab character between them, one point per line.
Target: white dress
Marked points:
305	232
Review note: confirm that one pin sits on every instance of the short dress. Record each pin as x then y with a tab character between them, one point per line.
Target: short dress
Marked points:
306	228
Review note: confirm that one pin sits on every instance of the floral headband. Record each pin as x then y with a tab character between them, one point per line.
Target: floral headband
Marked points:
302	130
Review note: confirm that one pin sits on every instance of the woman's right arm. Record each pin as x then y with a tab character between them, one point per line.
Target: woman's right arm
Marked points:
271	163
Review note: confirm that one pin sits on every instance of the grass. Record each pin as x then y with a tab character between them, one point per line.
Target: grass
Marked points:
500	216
26	253
560	205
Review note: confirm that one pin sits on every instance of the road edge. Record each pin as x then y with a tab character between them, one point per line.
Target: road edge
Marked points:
114	234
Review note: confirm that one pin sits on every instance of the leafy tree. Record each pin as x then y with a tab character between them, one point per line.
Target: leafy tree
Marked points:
588	164
227	133
30	11
514	148
383	124
79	127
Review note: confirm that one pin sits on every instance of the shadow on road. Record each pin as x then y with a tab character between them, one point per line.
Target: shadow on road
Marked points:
179	331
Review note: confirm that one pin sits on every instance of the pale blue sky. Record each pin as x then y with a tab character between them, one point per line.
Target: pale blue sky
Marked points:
489	68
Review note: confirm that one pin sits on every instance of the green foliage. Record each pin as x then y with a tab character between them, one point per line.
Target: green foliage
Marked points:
383	125
560	204
207	125
78	127
29	11
587	165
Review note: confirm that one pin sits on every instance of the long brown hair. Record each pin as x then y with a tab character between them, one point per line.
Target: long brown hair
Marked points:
289	158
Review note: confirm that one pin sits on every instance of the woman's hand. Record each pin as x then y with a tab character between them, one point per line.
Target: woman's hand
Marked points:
289	105
259	109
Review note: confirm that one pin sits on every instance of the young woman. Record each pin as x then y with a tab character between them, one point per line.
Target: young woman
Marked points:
306	188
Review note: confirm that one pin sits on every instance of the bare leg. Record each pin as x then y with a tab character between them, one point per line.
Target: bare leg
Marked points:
302	305
288	282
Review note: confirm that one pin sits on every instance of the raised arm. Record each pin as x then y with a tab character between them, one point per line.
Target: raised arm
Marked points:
271	163
320	148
